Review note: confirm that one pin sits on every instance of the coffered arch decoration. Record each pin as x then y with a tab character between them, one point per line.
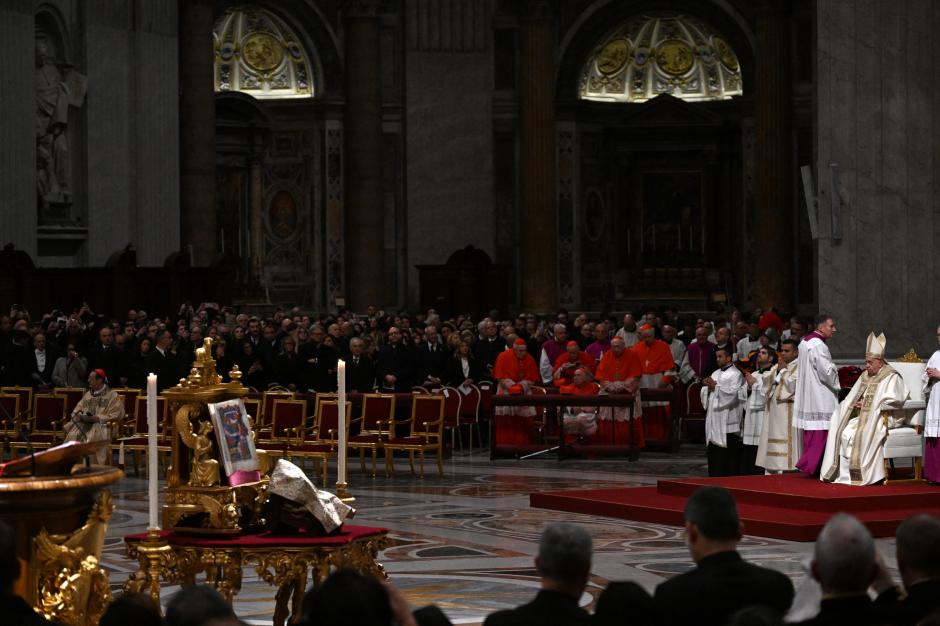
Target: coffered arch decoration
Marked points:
661	53
257	53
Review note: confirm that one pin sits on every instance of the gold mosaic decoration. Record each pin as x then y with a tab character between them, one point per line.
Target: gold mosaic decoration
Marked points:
662	53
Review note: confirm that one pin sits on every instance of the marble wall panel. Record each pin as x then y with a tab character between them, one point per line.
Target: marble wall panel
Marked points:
449	157
876	99
157	228
133	133
112	163
18	215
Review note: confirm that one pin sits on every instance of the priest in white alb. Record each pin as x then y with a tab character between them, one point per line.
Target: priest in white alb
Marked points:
724	394
817	393
780	443
932	423
855	447
759	382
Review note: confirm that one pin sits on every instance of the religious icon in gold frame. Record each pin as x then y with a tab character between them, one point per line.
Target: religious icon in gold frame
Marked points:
234	436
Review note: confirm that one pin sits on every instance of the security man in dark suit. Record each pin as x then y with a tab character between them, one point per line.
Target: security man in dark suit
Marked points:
360	370
564	565
722	582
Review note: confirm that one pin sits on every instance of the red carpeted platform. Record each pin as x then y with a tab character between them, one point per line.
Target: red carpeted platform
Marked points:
785	506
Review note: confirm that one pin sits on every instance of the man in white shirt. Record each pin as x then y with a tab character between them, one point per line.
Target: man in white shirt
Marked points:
724	394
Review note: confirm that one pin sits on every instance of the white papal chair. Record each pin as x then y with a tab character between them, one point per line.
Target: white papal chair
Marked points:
907	441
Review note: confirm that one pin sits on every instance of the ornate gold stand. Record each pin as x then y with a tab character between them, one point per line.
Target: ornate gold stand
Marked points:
196	500
288	566
60	524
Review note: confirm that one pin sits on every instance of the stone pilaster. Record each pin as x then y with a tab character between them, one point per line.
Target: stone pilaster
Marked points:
197	130
773	234
363	132
537	218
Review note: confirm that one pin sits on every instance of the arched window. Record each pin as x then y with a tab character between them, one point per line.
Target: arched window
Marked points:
258	54
650	55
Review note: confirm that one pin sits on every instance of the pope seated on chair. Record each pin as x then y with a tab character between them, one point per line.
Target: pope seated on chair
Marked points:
859	426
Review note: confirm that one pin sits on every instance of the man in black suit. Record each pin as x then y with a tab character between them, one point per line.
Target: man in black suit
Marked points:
317	363
360	370
722	582
163	362
432	358
395	368
42	362
844	566
490	346
564	564
918	552
106	356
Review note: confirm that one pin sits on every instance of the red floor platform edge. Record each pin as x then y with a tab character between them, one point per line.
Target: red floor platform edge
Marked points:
787	506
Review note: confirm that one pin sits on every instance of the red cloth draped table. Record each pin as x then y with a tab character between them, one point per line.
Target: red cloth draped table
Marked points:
610	434
284	561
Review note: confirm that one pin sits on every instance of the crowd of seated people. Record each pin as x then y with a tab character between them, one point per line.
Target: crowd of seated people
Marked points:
391	352
722	587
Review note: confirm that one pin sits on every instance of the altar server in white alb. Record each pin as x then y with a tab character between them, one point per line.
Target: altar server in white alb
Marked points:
724	394
817	393
932	425
855	447
760	382
780	441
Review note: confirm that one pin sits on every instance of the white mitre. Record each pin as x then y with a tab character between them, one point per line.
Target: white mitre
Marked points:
875	347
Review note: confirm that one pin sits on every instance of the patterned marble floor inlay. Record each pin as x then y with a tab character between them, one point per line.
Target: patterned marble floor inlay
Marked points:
466	540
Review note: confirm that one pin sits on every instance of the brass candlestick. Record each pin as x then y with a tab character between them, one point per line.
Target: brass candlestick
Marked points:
344	495
156	558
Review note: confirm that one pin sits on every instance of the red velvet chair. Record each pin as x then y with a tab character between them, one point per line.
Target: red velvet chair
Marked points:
452	401
427	431
320	441
268	398
136	429
45	423
73	396
10	415
378	413
26	399
470	412
288	417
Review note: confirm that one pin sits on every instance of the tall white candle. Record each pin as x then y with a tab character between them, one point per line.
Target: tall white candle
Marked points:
152	450
341	414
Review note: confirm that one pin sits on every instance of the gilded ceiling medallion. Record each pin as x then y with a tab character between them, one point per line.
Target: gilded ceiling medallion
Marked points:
674	57
613	56
262	52
725	53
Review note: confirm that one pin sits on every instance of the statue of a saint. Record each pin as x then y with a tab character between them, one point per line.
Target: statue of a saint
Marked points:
58	87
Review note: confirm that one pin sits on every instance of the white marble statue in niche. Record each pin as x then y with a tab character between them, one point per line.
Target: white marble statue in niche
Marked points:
58	87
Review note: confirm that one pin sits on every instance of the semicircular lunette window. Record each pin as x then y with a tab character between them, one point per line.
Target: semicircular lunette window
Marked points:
650	55
258	54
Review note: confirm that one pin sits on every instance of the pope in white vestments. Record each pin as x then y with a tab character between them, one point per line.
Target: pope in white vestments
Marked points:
780	443
817	394
855	447
724	394
932	422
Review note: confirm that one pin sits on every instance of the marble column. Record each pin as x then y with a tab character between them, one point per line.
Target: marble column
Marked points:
537	214
197	130
773	234
255	196
363	130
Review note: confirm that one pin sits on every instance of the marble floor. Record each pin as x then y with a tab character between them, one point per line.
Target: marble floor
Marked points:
466	541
